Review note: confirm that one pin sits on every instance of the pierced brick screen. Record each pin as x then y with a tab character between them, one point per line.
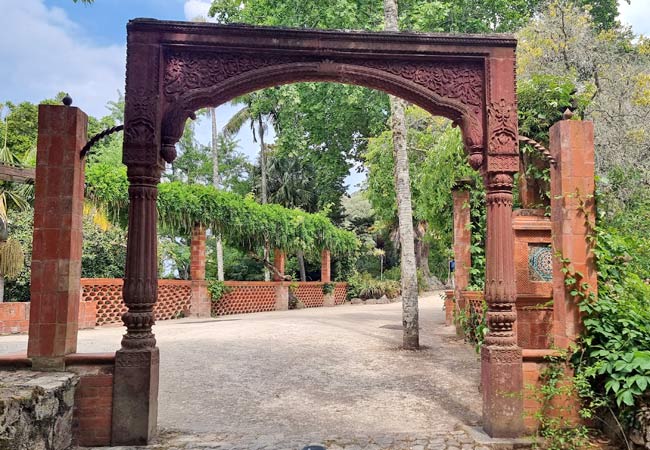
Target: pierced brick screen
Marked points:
310	294
173	298
108	295
340	292
246	297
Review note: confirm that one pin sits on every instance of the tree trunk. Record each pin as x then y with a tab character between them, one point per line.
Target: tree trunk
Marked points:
411	339
301	266
260	130
422	252
216	181
2	289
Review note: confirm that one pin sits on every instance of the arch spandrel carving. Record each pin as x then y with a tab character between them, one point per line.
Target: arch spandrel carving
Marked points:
196	79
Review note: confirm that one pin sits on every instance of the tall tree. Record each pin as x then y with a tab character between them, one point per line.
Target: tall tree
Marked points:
216	181
410	314
258	118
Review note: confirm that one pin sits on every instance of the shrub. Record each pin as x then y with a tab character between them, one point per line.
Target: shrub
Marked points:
217	290
364	286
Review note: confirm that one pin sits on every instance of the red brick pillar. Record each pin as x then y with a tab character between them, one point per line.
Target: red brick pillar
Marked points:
279	258
462	238
326	266
200	305
56	257
572	216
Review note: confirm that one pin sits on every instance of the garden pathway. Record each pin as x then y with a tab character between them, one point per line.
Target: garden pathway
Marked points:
330	375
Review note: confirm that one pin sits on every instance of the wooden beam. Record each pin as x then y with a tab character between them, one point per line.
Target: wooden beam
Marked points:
17	174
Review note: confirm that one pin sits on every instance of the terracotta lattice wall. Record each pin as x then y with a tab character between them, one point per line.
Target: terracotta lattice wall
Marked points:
173	298
246	297
310	294
340	293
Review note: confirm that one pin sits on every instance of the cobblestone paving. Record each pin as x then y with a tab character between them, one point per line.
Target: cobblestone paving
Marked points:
452	440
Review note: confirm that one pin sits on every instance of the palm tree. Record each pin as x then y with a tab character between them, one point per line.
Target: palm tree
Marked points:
404	210
259	125
291	185
216	181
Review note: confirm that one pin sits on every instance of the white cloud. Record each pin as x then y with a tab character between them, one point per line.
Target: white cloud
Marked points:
197	8
636	14
43	52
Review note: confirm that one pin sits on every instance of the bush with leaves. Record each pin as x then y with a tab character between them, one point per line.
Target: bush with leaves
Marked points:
364	286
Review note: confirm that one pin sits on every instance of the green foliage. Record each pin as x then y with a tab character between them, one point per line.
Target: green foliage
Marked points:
328	288
437	161
103	251
473	324
241	221
364	286
217	290
614	353
554	415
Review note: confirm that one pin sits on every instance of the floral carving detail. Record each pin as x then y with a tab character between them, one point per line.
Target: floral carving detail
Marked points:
193	70
463	83
503	127
186	71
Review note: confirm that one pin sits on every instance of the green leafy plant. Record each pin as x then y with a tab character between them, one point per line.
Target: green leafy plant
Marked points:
217	290
473	324
363	285
328	288
555	416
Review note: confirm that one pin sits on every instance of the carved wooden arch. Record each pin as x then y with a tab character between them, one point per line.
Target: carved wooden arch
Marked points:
174	68
194	80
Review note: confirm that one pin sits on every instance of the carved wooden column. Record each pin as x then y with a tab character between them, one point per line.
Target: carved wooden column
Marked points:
501	359
135	390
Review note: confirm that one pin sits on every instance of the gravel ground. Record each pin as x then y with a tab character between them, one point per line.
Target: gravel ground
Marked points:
329	375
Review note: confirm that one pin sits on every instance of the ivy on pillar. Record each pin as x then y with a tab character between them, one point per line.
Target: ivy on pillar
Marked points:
200	305
573	212
135	389
56	257
462	235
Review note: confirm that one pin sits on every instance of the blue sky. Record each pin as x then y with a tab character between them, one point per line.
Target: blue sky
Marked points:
47	46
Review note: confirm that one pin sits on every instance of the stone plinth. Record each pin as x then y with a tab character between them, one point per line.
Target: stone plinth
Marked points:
36	410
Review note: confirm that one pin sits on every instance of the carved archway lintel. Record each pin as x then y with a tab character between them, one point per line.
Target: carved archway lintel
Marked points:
196	80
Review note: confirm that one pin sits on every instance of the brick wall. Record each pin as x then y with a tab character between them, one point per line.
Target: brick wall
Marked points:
14	317
93	402
258	296
246	297
173	298
102	302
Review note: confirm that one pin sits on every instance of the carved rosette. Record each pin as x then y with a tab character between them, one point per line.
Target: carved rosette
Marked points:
140	289
191	75
500	289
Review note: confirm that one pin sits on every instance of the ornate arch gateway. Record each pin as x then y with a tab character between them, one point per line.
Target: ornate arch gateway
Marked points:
175	68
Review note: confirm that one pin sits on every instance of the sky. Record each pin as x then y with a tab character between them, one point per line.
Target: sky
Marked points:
48	46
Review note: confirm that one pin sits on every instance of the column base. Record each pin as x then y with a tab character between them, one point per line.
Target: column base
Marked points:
502	384
281	297
48	363
328	300
201	303
135	396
